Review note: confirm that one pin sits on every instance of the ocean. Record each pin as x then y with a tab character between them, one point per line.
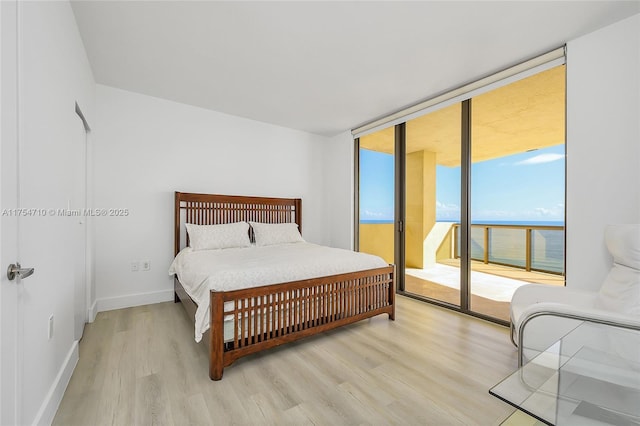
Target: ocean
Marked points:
485	222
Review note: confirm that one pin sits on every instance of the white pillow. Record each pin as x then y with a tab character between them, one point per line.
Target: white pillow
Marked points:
623	242
207	237
275	233
620	291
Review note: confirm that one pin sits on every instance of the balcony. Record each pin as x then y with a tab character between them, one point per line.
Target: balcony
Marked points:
503	257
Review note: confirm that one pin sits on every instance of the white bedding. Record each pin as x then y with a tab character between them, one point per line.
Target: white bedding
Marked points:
237	268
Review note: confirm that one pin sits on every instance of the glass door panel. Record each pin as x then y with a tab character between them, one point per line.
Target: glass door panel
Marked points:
517	189
376	194
432	164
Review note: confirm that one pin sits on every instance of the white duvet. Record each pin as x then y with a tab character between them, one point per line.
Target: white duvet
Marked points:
237	268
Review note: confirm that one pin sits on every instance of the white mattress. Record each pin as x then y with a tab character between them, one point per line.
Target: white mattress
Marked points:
237	268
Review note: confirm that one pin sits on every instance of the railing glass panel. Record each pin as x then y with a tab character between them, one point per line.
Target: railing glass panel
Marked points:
507	246
547	250
477	245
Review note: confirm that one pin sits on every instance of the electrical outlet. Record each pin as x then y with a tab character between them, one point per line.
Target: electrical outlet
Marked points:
135	266
50	333
146	265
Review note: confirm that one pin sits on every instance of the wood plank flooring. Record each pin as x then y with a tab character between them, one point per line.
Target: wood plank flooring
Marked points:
500	310
141	366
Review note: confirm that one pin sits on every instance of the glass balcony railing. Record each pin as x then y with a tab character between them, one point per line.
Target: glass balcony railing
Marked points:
530	247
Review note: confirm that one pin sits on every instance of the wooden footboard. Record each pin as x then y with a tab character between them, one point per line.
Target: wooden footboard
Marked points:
268	316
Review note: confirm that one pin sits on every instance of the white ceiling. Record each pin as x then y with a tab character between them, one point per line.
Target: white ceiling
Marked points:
321	67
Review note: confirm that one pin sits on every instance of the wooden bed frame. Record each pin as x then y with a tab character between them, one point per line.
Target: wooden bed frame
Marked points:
267	316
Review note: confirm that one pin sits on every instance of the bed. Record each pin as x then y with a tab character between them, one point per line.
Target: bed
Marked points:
244	319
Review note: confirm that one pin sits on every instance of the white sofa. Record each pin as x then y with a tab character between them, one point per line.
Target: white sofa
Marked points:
542	314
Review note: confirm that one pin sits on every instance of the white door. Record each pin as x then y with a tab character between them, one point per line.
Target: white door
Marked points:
36	177
10	300
79	203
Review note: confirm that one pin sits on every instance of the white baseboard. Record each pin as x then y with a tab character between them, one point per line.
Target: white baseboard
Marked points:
130	300
92	312
51	402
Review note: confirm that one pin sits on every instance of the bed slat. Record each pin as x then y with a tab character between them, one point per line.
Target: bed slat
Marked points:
309	305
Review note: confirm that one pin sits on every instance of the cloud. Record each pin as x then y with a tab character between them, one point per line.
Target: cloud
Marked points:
447	207
543	212
540	159
369	213
553	213
447	211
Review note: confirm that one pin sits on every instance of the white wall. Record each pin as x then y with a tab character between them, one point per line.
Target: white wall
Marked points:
338	181
54	74
603	145
147	148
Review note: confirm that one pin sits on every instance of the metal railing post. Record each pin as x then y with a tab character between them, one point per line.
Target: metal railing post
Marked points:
486	245
528	250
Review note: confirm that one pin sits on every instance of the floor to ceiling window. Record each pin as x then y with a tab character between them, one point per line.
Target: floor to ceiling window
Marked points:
376	194
517	189
479	199
433	205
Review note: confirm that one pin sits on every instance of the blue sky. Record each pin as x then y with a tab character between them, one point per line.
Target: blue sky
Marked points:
521	187
376	185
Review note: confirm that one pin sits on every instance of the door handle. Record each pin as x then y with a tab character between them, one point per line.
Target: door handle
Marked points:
15	270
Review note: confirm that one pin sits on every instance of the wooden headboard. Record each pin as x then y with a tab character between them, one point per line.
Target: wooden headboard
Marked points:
211	209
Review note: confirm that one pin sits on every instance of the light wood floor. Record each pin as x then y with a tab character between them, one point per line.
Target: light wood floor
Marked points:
140	366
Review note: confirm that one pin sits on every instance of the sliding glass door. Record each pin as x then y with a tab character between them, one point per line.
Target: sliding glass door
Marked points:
432	181
468	200
517	190
376	195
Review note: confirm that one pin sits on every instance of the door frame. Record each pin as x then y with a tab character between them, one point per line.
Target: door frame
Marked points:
400	201
11	367
83	222
79	197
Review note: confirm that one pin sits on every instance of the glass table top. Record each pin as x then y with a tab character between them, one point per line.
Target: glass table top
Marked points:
591	376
